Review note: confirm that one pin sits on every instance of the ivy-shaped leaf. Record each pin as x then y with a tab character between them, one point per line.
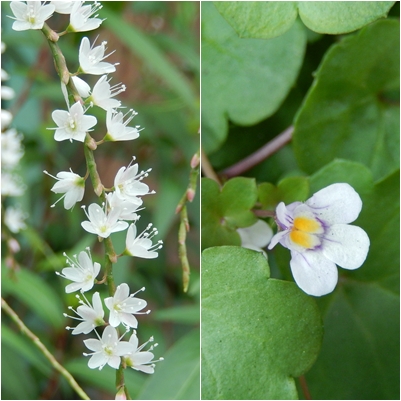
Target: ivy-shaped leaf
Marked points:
269	19
349	111
244	80
257	333
288	190
225	210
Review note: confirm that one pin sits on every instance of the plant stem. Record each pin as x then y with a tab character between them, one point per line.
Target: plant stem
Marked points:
261	154
304	386
70	379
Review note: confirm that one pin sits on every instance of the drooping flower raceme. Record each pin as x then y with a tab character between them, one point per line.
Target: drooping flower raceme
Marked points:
82	272
141	245
91	58
90	316
138	359
123	306
30	15
101	222
319	236
72	124
256	236
107	350
69	184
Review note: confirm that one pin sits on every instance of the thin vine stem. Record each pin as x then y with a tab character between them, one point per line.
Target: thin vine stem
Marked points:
207	168
261	154
36	341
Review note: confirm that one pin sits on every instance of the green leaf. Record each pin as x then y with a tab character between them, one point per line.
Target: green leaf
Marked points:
244	80
269	19
360	351
347	112
187	314
36	294
257	333
178	376
288	190
225	210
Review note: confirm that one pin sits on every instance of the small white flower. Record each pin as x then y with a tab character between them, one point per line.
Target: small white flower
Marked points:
91	58
128	185
69	184
14	219
256	237
72	124
318	235
7	93
122	307
89	316
63	7
80	17
102	223
117	129
30	15
11	148
141	246
103	93
128	209
141	360
82	272
107	350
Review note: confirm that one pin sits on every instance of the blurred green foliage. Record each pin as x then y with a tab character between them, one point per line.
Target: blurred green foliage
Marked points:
157	46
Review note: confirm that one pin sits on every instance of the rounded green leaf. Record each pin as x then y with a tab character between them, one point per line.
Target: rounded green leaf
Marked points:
257	333
348	112
269	19
244	80
225	210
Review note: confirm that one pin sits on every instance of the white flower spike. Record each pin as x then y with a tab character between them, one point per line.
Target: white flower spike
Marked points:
89	316
82	272
318	235
117	129
107	350
102	94
72	124
91	58
141	360
256	236
80	17
69	184
141	246
101	222
30	15
123	306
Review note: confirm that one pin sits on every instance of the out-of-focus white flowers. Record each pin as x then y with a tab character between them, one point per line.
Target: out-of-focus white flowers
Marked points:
319	236
256	236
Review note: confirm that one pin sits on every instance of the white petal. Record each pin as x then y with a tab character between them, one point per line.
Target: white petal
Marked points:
346	245
313	273
143	357
93	344
97	360
114	361
73	287
129	320
277	238
82	87
337	203
258	234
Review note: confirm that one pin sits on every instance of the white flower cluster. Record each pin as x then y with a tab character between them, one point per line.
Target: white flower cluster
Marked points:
122	202
11	154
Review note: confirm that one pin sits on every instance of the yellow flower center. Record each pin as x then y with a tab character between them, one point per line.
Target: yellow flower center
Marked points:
304	230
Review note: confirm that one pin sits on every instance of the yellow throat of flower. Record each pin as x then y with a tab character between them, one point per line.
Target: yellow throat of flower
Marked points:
304	232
